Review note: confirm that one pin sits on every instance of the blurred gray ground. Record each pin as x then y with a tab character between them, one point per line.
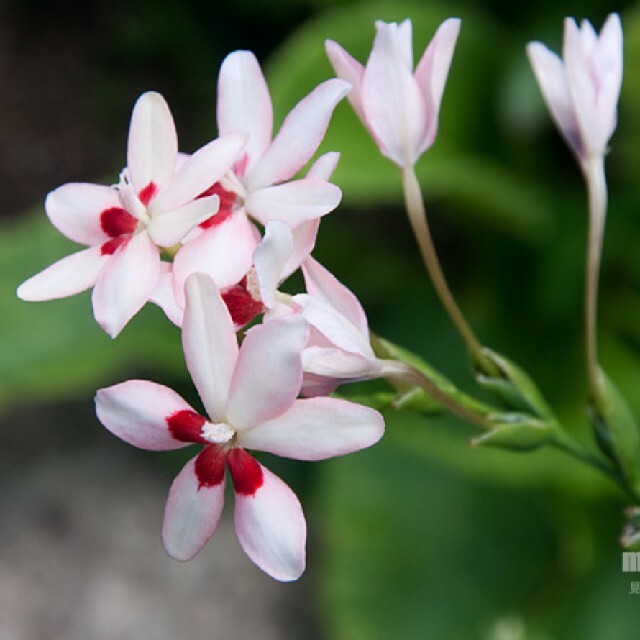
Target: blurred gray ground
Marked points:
80	550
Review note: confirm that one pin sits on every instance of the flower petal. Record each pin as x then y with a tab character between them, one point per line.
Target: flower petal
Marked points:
393	103
350	70
223	252
66	277
191	514
165	297
126	283
299	137
315	429
322	284
137	411
153	142
209	343
244	103
293	202
552	80
271	528
432	71
74	209
167	229
201	170
268	374
270	257
324	166
339	365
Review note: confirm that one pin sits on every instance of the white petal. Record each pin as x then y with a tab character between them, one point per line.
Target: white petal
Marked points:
165	297
299	137
167	229
293	202
74	209
244	103
137	411
199	172
304	240
324	166
315	429
393	103
209	342
191	514
153	143
432	71
322	284
270	257
268	375
68	276
350	70
126	283
224	252
271	528
335	327
339	365
552	79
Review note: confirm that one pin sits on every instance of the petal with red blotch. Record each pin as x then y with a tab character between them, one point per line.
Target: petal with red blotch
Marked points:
299	137
139	412
322	284
223	252
191	513
168	228
315	429
153	143
126	283
293	202
209	343
74	209
68	276
271	527
268	375
244	103
202	169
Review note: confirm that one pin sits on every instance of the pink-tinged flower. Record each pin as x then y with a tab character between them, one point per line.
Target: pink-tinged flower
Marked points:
154	206
398	106
582	89
339	349
249	394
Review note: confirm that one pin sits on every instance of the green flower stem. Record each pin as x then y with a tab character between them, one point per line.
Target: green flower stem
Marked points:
594	175
467	409
418	219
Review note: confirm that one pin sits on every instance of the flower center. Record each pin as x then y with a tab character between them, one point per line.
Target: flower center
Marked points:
219	433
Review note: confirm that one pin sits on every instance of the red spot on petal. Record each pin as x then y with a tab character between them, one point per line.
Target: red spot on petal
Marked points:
210	466
111	246
241	165
227	201
186	426
242	306
246	472
147	193
117	222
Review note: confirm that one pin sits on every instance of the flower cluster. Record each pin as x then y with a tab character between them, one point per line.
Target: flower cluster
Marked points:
209	237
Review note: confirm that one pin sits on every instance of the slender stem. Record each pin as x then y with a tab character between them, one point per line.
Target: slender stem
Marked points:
404	372
418	219
593	171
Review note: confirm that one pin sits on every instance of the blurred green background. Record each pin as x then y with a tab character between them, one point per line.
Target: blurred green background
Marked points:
421	536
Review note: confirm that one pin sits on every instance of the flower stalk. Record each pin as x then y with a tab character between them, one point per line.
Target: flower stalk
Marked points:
420	226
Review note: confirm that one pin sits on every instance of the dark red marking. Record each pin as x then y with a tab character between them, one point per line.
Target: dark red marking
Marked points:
186	426
117	222
210	466
147	193
227	200
111	246
242	306
245	471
